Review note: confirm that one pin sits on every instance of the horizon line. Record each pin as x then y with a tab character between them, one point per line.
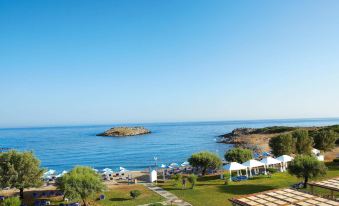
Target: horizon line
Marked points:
165	122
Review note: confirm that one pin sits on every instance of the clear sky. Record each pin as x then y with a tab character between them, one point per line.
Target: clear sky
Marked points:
92	62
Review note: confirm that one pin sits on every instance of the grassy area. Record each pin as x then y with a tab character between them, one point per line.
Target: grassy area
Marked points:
120	196
114	196
213	191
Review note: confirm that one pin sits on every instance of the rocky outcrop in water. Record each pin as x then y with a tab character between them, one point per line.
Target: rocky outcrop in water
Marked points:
125	131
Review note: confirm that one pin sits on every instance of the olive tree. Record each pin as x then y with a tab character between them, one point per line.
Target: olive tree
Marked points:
307	167
282	144
238	155
303	142
325	139
80	183
20	170
204	161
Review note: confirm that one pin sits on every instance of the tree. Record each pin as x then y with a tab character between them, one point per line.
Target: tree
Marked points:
282	144
177	179
192	180
325	139
204	161
303	142
238	155
135	193
80	183
20	170
307	167
11	201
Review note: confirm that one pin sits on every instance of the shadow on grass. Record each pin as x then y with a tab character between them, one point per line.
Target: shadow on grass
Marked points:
117	199
244	189
208	178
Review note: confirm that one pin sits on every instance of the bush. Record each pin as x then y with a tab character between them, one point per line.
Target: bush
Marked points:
155	204
226	178
177	180
193	180
336	160
11	201
135	193
272	170
238	155
274	129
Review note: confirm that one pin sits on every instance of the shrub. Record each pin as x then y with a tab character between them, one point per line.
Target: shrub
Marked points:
155	204
135	193
336	160
226	178
238	155
193	180
275	129
177	179
272	170
11	201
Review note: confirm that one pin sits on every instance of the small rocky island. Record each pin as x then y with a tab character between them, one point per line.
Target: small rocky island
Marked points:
125	131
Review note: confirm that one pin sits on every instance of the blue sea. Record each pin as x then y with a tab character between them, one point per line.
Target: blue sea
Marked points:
61	148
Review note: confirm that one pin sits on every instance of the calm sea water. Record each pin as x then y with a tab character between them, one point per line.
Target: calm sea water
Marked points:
61	148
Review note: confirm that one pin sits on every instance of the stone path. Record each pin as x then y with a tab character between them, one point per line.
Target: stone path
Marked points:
170	198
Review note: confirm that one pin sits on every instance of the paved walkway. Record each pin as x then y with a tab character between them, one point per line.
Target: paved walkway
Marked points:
170	198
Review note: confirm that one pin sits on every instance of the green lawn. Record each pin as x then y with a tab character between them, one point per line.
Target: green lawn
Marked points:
116	195
212	191
119	196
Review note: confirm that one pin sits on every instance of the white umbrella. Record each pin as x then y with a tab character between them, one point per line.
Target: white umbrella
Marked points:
50	172
107	170
284	159
122	170
163	166
251	164
234	166
61	174
173	165
270	161
185	164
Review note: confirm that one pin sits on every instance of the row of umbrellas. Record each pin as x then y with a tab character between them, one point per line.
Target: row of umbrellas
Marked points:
175	165
110	171
52	173
282	160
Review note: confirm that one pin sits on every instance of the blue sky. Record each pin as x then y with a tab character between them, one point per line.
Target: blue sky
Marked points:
92	62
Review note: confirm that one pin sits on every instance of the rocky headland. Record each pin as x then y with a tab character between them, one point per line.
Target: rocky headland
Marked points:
125	131
257	138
